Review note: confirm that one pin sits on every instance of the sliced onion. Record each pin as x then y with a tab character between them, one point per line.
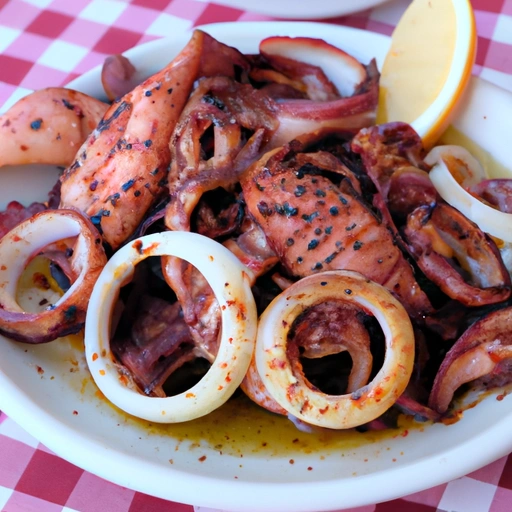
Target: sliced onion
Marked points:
463	166
19	246
488	219
230	282
293	392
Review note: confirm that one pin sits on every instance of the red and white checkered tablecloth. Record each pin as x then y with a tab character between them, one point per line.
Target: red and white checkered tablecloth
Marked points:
48	43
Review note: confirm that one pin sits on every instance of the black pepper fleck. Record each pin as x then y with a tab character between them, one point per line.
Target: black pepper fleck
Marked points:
309	218
70	314
300	190
36	124
264	209
113	198
357	245
313	244
333	210
126	186
330	257
96	220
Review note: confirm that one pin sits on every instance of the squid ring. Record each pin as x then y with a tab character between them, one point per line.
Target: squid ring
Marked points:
230	281
17	247
291	389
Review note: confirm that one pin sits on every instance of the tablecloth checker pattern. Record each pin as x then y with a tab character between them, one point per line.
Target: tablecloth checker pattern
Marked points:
50	42
33	479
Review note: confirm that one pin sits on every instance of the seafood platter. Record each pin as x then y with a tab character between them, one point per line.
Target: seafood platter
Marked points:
232	287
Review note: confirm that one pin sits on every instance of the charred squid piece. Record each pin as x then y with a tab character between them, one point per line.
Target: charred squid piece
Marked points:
408	405
218	223
313	225
158	344
16	213
409	188
331	328
221	131
48	126
23	243
201	310
483	352
279	335
118	76
386	149
252	249
392	157
303	62
342	93
229	283
457	256
121	169
496	192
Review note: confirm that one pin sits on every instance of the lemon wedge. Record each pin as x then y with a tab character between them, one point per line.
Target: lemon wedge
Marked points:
428	66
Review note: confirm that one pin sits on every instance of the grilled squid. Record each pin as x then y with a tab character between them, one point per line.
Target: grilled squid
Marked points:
229	281
483	352
20	245
282	373
342	94
457	256
48	126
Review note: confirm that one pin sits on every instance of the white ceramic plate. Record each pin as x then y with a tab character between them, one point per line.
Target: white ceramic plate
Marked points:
302	9
229	460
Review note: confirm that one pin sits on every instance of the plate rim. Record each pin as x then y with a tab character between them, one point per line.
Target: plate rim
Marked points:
329	9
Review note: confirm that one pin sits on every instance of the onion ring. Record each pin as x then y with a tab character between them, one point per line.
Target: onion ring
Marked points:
464	167
229	280
494	222
293	392
22	243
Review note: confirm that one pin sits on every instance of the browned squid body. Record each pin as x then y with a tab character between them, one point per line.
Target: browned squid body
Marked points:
122	167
